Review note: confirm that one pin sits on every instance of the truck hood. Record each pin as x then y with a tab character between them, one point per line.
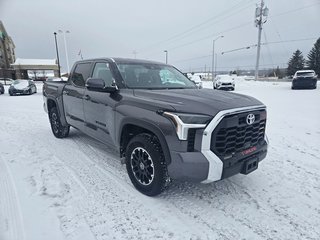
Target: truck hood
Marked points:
201	101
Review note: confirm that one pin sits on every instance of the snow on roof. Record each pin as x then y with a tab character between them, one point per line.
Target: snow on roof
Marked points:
46	62
303	71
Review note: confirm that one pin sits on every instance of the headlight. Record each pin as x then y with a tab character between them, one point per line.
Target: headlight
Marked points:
184	121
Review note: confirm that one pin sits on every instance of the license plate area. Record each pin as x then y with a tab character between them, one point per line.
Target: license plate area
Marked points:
250	165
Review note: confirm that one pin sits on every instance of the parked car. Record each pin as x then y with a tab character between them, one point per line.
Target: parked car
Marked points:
224	82
6	80
161	124
304	79
1	88
22	86
197	80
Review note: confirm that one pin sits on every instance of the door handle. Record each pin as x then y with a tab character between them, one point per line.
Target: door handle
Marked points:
86	97
65	92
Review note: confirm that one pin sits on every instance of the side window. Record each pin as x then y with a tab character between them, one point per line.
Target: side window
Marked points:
81	74
102	70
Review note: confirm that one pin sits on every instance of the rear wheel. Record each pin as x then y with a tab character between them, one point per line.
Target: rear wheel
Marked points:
58	130
146	165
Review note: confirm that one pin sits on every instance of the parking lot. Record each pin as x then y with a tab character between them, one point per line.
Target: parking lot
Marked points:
76	188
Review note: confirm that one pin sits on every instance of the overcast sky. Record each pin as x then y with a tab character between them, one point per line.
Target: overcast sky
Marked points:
184	28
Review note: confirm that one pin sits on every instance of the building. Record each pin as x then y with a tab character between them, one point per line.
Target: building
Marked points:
21	67
7	53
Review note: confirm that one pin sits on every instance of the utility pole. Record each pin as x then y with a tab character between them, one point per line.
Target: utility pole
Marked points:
66	47
213	55
55	39
166	51
261	12
135	54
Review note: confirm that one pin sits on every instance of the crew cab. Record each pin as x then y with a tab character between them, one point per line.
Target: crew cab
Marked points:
163	126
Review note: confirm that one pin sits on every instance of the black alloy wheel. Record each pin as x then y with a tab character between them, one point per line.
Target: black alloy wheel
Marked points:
142	166
146	164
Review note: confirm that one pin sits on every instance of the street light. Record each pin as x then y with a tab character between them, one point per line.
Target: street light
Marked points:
214	40
65	47
55	39
166	51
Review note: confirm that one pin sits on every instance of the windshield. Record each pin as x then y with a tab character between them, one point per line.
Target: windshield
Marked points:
309	74
20	83
15	82
153	76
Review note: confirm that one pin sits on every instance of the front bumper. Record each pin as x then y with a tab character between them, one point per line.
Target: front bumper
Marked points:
203	165
225	87
17	91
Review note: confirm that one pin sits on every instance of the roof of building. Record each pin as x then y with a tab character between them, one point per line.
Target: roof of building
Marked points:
36	62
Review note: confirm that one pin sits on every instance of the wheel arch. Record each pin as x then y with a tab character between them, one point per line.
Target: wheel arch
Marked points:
131	127
51	102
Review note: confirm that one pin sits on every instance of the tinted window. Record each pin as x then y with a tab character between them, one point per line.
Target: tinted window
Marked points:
102	70
81	74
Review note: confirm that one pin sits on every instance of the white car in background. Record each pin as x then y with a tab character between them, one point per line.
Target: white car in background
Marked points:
224	82
197	80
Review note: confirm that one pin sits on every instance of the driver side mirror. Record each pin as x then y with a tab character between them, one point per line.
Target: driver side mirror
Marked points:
98	85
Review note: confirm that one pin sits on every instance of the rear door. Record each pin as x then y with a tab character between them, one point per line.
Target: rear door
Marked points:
73	94
98	106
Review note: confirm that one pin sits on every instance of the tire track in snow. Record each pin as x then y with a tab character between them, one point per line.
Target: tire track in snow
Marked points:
195	211
111	192
11	220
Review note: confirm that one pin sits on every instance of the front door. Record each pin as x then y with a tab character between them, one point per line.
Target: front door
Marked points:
98	106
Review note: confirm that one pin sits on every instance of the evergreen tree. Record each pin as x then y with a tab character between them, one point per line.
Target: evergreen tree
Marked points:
313	61
295	63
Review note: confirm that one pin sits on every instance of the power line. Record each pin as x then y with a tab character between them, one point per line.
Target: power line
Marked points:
194	28
294	10
247	47
229	30
241	66
204	38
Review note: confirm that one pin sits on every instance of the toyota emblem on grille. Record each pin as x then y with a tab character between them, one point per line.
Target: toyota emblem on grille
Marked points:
250	119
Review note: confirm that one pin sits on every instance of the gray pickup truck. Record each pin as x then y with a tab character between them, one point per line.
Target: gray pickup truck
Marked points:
163	126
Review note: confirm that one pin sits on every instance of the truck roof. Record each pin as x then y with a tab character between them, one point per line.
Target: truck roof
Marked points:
123	60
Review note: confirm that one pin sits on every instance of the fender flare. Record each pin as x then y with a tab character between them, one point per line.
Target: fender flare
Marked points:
60	111
150	127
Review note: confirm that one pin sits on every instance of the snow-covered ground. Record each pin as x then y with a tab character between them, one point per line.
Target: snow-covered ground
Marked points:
76	188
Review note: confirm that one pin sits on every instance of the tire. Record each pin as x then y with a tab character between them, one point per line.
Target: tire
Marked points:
146	165
58	130
30	91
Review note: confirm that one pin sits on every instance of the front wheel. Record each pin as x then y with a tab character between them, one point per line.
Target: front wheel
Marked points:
146	165
58	130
